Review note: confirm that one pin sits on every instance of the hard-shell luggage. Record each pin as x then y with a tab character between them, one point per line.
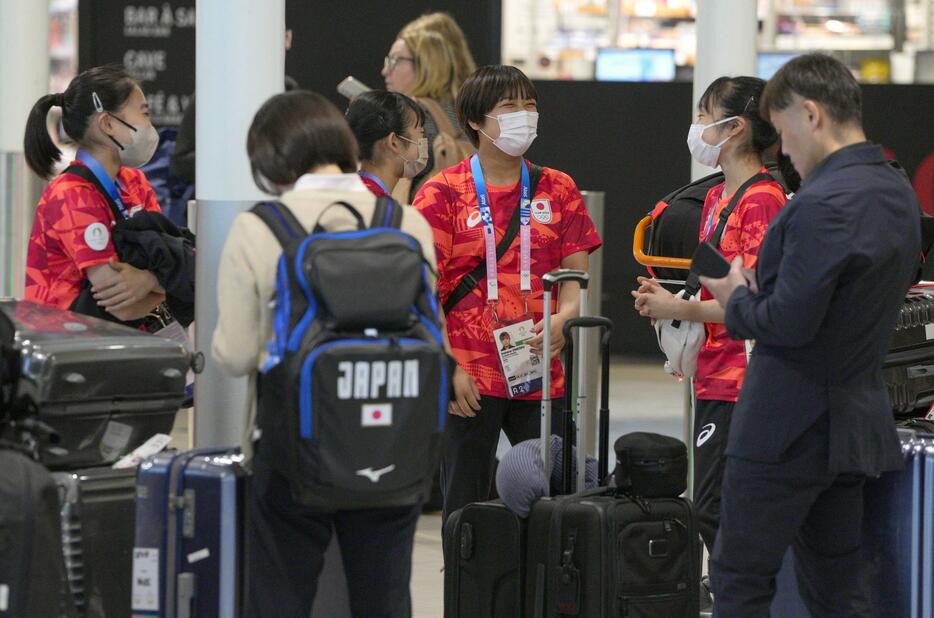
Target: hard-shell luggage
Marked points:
98	507
190	545
32	567
602	552
104	388
898	511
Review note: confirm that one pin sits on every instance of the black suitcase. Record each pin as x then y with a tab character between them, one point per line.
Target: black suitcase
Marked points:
32	567
601	553
98	508
104	388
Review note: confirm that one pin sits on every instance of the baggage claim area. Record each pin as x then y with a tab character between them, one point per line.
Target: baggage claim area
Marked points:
302	374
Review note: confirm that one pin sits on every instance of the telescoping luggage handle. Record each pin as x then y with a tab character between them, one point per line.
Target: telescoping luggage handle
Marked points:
603	433
550	280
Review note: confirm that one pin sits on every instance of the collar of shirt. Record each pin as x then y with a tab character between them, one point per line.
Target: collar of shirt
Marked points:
330	182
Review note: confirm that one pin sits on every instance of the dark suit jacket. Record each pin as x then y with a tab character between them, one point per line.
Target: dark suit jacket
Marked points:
833	271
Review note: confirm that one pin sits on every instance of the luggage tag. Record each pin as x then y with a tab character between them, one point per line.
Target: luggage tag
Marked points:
521	367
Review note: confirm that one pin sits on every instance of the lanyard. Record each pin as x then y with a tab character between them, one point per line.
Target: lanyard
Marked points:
379	183
104	178
489	234
713	217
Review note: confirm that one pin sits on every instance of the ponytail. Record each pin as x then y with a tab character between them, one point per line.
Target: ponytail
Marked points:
41	151
106	87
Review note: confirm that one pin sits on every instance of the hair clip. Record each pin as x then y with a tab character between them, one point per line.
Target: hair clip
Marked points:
98	106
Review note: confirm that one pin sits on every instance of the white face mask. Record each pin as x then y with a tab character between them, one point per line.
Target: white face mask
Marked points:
517	131
412	168
704	153
140	150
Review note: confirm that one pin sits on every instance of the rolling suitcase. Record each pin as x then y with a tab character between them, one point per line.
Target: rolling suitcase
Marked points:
104	388
189	548
898	508
32	567
601	553
97	515
485	547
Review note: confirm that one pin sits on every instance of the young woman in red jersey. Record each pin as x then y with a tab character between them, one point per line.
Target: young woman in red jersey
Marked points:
105	112
729	132
497	108
390	132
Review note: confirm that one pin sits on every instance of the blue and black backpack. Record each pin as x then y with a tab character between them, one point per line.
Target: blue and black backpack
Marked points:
354	395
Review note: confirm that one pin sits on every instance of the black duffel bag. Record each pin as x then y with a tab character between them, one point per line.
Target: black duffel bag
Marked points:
651	465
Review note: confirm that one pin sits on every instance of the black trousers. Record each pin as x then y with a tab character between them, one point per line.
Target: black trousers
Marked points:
711	431
467	467
766	508
287	545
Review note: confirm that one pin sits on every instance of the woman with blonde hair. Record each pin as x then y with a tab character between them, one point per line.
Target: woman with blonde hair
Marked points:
421	65
444	24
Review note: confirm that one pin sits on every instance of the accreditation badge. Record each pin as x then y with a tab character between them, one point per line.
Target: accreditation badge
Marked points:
521	367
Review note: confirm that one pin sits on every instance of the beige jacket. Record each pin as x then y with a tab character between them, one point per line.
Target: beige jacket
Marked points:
247	273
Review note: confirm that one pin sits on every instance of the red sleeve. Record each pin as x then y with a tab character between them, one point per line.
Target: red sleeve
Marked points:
435	201
577	231
83	226
757	212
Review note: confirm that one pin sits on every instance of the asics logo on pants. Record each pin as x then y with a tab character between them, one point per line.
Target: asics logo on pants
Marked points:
706	432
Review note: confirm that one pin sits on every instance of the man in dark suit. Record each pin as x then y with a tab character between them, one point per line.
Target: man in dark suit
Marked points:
814	419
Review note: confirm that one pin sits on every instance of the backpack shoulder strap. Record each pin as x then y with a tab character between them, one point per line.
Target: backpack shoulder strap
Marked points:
437	114
387	213
283	223
726	212
86	174
692	285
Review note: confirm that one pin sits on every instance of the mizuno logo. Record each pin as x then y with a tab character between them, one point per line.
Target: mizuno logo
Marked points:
706	432
375	475
377	379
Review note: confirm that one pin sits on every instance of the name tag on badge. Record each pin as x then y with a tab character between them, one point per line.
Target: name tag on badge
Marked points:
521	367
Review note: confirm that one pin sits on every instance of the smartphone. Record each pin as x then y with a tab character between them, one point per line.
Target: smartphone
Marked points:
351	87
708	262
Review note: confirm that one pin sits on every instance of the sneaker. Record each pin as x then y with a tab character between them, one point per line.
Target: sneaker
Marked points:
706	599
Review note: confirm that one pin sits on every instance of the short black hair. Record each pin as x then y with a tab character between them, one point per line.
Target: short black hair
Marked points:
112	85
819	78
295	132
375	114
739	96
485	89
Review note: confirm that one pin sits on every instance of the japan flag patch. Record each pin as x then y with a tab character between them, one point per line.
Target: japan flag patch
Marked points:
541	211
376	415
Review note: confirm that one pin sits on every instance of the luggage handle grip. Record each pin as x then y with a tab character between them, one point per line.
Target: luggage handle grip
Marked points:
920	371
638	250
566	274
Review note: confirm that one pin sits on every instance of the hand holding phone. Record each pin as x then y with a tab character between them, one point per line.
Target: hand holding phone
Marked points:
708	262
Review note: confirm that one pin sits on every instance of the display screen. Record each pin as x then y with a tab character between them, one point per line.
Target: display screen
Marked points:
769	63
635	65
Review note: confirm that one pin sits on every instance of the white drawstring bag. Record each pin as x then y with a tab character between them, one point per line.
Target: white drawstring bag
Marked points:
681	342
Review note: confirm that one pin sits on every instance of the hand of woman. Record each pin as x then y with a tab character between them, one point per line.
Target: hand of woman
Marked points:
654	301
557	335
466	401
130	286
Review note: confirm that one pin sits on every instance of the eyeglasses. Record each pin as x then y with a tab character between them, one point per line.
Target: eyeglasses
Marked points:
390	62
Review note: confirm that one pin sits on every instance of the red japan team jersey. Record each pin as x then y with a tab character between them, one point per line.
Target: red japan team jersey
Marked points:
560	226
71	232
721	363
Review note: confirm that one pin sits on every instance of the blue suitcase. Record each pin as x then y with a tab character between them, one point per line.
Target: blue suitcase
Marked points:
898	515
189	543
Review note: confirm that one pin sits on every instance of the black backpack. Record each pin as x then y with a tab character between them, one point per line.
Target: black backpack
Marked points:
353	398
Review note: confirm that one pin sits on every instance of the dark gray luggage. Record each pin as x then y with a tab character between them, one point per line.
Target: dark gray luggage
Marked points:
32	569
104	388
98	507
603	552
